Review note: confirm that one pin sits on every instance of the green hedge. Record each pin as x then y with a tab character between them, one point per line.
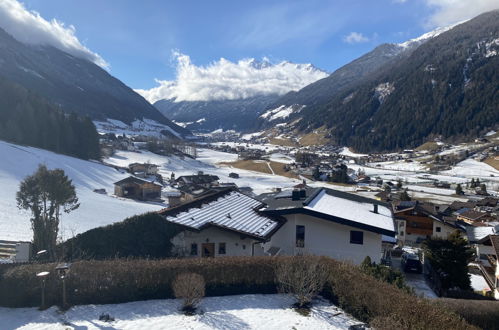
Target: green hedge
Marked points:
145	236
117	281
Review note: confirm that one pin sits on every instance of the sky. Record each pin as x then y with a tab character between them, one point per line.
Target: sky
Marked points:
155	46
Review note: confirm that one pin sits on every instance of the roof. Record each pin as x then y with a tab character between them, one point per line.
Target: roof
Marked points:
477	234
227	209
495	243
472	215
198	179
132	179
337	206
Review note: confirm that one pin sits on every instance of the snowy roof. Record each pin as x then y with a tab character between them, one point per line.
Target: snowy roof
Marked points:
132	179
228	209
356	211
337	206
476	234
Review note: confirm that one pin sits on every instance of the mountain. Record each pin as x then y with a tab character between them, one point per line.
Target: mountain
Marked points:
235	102
238	115
73	84
445	84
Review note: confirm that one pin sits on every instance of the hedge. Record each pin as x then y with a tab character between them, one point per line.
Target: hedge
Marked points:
117	281
142	236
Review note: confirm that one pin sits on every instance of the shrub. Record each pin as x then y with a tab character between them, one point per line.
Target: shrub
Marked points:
117	281
145	236
481	313
191	288
303	277
385	274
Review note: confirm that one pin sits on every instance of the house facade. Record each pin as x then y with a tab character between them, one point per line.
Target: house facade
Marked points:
136	188
329	223
293	222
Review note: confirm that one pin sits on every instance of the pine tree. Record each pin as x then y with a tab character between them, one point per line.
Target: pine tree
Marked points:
459	189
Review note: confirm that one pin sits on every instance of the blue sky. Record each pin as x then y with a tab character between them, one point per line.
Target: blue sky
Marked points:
137	37
199	50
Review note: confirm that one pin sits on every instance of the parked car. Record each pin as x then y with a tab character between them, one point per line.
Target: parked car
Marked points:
410	263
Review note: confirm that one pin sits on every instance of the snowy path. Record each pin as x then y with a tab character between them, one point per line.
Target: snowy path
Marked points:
228	312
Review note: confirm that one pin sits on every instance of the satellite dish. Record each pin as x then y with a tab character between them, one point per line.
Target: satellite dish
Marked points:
42	274
41	252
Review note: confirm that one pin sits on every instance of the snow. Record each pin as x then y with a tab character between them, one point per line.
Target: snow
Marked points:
352	210
249	136
478	283
228	312
490	133
147	127
346	152
427	36
382	91
470	168
206	161
281	112
95	209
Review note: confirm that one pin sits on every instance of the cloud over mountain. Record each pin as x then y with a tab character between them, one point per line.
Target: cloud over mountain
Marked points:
30	28
226	80
451	11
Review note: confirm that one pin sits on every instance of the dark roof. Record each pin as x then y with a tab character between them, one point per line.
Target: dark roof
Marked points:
198	179
199	191
473	215
454	206
132	179
495	243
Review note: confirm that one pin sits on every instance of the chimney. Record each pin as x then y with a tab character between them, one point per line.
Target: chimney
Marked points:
375	208
295	195
200	173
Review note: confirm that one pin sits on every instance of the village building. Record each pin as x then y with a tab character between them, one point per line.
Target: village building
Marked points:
486	242
137	188
330	223
471	216
318	221
200	179
224	223
143	169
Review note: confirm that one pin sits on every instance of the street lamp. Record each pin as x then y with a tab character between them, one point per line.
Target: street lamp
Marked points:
62	271
43	277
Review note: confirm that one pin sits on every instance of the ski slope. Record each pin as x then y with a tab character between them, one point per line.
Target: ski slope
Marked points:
96	210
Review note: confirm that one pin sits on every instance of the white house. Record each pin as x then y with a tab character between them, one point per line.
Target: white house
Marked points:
329	223
314	221
225	223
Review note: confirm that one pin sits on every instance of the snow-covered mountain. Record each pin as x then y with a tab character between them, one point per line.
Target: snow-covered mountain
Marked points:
227	95
73	84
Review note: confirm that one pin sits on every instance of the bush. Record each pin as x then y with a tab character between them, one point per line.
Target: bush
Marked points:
117	281
145	236
303	277
481	313
191	288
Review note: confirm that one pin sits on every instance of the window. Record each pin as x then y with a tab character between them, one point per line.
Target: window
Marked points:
356	237
402	233
300	236
221	248
194	249
438	229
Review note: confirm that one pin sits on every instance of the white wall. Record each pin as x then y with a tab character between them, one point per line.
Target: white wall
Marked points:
325	238
235	245
445	230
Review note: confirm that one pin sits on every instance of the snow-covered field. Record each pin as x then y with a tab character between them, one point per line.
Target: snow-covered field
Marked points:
229	312
206	162
95	210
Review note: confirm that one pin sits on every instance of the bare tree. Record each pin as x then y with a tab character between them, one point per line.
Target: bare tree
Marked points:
303	277
191	288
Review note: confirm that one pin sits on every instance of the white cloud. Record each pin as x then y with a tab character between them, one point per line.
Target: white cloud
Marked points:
355	38
30	28
226	80
452	11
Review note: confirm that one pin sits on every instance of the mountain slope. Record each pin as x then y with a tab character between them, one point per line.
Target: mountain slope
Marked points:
239	115
448	86
73	84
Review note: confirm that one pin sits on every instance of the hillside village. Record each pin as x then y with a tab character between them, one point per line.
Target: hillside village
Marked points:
230	192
